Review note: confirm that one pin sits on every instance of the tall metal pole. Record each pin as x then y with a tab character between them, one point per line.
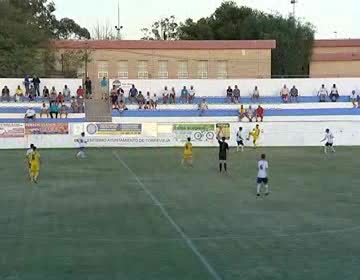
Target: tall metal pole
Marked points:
118	29
294	2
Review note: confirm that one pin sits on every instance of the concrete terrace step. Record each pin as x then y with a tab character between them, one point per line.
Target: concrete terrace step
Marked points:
97	110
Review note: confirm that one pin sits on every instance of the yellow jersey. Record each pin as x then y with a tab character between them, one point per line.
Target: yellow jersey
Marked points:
188	149
256	132
35	160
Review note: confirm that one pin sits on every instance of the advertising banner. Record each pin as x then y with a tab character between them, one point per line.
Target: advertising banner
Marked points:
113	129
12	130
223	130
46	128
197	132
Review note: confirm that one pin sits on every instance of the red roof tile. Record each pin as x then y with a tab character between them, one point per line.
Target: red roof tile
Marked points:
180	45
337	43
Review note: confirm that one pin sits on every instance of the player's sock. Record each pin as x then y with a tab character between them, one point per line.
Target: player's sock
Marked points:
242	148
225	166
266	189
333	149
237	148
220	166
258	188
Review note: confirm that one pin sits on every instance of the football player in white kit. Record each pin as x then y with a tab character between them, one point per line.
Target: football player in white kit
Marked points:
329	138
262	177
240	140
82	142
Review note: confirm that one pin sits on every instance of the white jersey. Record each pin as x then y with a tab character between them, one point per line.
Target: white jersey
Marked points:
239	136
262	169
82	142
29	152
329	138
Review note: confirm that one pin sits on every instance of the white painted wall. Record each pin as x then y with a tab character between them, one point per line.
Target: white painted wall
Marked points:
73	84
267	87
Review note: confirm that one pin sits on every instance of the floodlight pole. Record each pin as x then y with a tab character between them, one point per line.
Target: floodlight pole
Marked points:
294	2
118	27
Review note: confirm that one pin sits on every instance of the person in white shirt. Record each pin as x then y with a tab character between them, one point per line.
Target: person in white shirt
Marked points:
165	95
154	101
284	93
329	138
82	142
353	98
203	106
30	114
44	110
240	140
28	156
191	94
323	93
334	94
66	92
255	94
262	176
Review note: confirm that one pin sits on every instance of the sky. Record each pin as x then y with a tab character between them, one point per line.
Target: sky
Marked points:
332	19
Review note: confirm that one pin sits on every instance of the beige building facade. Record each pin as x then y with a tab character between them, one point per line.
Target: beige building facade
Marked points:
175	59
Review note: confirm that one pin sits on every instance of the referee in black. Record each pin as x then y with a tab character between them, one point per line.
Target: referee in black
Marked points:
223	148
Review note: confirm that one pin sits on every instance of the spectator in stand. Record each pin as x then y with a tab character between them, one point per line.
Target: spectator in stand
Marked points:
5	94
184	95
54	109
250	113
44	110
165	96
64	110
133	94
191	94
46	92
114	98
19	94
74	105
353	98
241	112
154	101
203	107
148	104
323	93
114	90
80	92
284	93
173	96
60	98
66	93
122	106
259	113
32	93
36	82
88	88
255	94
80	102
140	99
294	94
358	100
229	95
27	84
120	93
104	88
236	94
334	94
30	114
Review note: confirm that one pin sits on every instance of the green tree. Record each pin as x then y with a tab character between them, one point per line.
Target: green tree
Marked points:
163	29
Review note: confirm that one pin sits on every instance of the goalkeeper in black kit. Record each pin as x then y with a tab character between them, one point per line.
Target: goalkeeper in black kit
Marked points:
223	148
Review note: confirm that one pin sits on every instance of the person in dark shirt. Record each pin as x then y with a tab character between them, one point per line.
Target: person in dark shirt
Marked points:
223	148
88	88
36	82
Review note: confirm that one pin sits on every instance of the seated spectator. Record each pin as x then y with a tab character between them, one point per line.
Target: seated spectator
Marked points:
294	94
322	93
30	114
255	94
122	106
172	96
44	110
80	102
74	105
191	94
46	92
133	95
140	99
147	101
64	110
358	100
80	92
241	113
154	102
60	98
32	93
53	95
104	88
5	94
114	90
165	96
120	93
66	92
203	107
54	109
184	95
236	94
19	94
284	93
334	94
229	95
114	98
250	113
259	113
353	98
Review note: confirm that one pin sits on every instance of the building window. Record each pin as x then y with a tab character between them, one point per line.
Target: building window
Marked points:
143	69
183	69
203	69
103	69
123	69
163	69
222	72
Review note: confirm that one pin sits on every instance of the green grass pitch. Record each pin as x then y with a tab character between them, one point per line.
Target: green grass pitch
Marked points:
98	220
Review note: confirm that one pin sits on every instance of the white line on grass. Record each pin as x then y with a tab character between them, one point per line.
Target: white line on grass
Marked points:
183	235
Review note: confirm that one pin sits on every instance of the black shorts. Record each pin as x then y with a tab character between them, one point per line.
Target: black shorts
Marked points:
222	157
240	143
262	180
329	144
